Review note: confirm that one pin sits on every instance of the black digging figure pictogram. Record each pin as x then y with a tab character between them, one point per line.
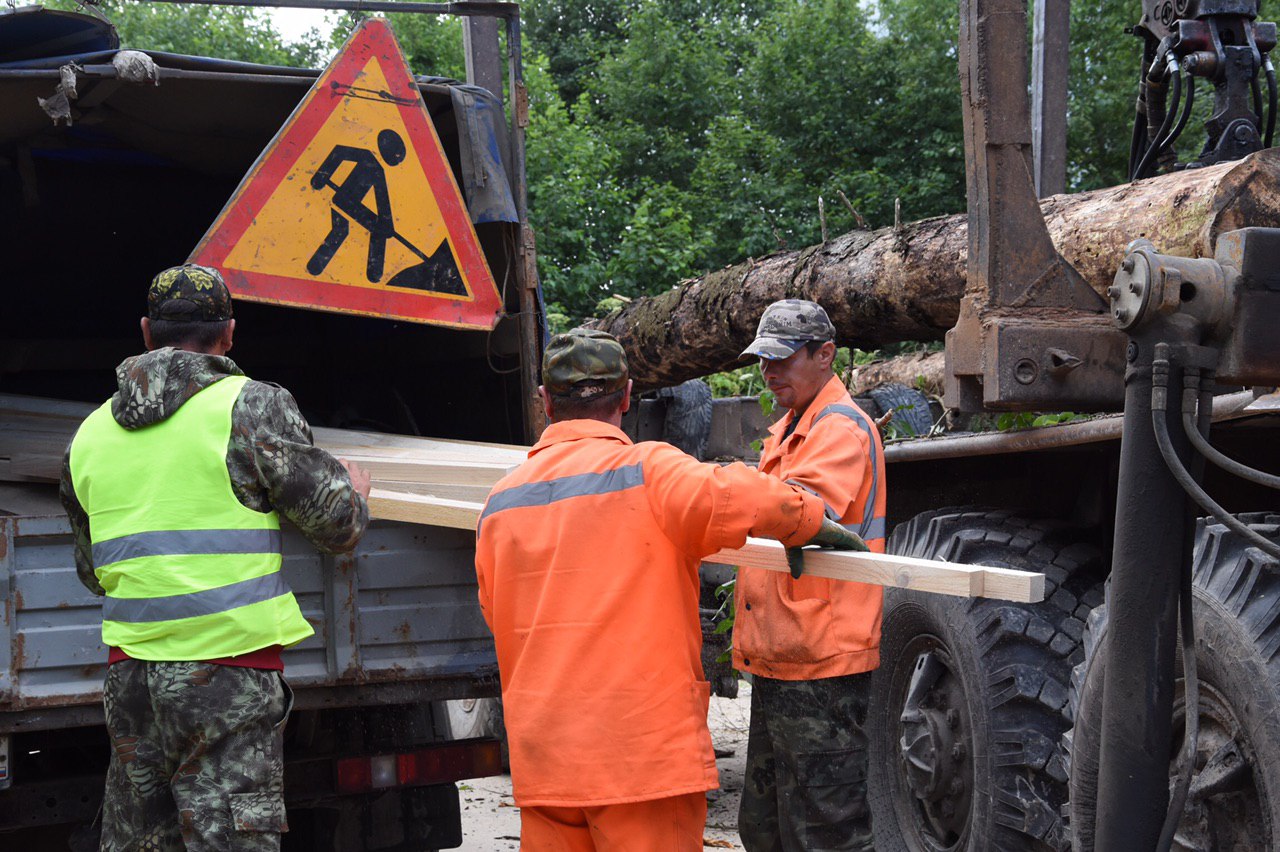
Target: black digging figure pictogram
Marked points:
438	272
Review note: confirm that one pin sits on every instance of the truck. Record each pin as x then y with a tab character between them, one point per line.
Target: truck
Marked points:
113	164
1136	707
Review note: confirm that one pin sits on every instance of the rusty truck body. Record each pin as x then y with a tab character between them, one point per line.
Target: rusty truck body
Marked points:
95	197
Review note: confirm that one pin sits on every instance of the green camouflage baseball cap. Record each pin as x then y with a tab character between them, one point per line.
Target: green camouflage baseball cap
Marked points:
189	293
787	325
583	363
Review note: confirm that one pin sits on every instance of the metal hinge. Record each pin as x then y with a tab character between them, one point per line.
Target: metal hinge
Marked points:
522	105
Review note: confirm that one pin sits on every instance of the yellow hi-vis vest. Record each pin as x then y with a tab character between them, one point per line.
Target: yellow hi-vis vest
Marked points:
190	572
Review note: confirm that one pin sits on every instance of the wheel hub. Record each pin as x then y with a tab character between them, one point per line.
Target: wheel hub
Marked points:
934	751
1224	806
927	743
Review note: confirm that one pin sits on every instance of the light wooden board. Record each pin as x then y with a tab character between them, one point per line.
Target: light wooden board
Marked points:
431	471
421	509
443	454
465	493
923	575
379	443
904	572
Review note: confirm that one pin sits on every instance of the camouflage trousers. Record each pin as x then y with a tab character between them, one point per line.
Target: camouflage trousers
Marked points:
806	775
197	758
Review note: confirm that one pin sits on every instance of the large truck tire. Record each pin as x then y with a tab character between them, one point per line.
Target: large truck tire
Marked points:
912	416
687	423
1234	800
969	702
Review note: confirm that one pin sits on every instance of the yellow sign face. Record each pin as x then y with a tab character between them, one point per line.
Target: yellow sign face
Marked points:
353	206
299	207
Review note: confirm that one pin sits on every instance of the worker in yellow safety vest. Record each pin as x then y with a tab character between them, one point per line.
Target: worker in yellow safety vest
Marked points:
174	488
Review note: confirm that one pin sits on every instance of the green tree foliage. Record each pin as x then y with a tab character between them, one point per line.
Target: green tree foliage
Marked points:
247	35
573	37
668	137
1102	88
581	210
432	44
723	122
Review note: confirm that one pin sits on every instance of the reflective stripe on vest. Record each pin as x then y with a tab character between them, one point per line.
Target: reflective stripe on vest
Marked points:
554	490
195	604
873	525
174	592
183	543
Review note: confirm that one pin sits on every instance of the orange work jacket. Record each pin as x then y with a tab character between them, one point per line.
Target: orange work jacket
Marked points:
812	627
587	561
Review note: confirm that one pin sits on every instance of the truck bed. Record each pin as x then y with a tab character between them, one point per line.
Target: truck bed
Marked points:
396	620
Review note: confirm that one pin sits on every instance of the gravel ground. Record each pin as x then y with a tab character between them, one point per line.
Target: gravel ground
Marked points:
491	821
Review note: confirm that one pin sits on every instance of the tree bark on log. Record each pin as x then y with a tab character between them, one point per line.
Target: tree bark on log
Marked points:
890	285
922	370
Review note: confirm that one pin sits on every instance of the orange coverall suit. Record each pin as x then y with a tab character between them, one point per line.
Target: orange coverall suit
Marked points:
587	561
805	638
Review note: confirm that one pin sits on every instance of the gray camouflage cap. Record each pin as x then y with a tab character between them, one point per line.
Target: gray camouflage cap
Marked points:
583	363
189	293
787	325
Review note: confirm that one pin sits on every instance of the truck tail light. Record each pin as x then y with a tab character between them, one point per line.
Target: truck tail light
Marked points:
435	765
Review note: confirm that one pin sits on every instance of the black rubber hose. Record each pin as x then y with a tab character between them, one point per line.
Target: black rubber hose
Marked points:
1271	103
1153	150
1193	488
1255	91
1186	114
1138	141
1225	462
1193	387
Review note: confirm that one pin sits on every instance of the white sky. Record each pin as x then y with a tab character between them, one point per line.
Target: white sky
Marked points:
294	23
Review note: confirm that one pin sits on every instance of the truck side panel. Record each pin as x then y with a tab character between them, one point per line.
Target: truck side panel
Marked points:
402	607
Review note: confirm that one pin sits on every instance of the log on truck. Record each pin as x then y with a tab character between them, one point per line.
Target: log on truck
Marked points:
891	285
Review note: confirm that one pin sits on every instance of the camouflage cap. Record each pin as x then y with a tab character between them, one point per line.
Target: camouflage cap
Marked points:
189	293
787	325
583	363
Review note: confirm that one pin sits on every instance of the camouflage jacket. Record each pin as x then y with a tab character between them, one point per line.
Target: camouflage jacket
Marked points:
271	457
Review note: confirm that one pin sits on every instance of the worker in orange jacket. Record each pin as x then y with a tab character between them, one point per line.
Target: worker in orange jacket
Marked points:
587	561
810	643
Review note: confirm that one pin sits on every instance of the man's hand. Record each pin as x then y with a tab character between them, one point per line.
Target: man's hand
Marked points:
830	534
359	477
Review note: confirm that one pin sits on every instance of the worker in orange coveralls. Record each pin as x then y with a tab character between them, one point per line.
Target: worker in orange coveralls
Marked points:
587	560
809	643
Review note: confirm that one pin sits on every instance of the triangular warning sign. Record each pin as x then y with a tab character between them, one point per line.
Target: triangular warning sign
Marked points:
353	207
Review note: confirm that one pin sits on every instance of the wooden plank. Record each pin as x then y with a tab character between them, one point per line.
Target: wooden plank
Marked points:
443	454
378	443
904	572
432	471
421	509
924	575
465	493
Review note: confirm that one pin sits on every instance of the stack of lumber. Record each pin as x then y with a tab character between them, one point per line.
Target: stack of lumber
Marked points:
444	483
452	470
35	432
424	480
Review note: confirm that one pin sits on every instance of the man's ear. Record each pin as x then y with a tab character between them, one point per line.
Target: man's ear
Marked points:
146	335
546	402
827	354
228	337
626	398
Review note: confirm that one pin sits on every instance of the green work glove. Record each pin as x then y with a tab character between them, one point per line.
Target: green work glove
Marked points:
830	534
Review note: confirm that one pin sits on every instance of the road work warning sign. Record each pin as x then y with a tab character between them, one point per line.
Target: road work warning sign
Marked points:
353	208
